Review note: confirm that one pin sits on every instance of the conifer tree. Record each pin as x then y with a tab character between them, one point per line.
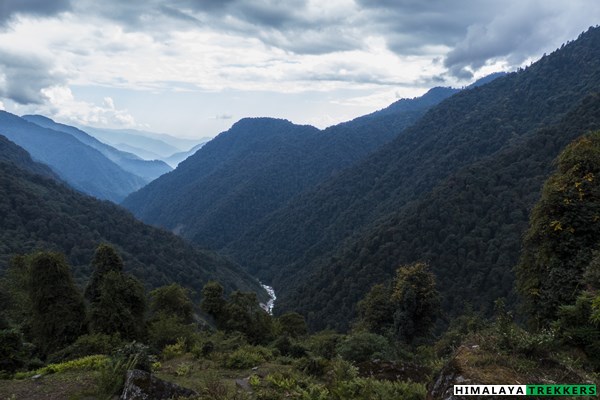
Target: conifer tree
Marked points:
117	300
58	309
105	259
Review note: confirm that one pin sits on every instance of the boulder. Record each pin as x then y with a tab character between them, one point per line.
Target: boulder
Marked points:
141	385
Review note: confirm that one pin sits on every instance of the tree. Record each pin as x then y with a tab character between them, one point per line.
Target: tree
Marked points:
564	231
58	309
416	300
376	309
292	324
172	300
212	299
105	259
243	314
117	300
119	307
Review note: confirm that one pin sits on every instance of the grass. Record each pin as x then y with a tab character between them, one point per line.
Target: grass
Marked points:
68	385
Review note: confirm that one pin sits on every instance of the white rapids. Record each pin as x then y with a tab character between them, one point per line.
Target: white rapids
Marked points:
271	303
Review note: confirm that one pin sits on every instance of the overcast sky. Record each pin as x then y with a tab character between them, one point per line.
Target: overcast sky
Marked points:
194	67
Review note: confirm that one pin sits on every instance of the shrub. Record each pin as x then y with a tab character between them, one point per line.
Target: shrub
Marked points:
363	346
11	350
246	357
88	345
324	344
314	366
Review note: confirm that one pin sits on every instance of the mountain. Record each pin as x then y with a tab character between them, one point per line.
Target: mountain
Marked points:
81	166
147	170
13	154
326	247
256	167
40	213
175	159
147	145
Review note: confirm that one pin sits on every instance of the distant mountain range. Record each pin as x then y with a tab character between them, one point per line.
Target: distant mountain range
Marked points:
148	170
38	211
148	145
83	167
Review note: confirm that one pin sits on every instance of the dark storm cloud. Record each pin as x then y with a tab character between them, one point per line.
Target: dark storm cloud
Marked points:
10	8
22	77
287	25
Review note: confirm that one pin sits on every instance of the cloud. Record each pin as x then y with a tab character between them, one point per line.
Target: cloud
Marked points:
38	8
62	105
23	77
522	30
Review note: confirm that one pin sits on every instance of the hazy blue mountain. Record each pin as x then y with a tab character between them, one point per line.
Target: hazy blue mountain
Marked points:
145	144
81	166
39	212
148	170
177	158
256	167
353	230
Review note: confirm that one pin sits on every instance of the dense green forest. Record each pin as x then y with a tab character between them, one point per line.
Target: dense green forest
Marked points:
37	212
429	195
258	165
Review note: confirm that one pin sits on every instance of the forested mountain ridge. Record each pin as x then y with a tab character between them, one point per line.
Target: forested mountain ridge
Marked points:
469	229
81	166
296	242
40	213
258	165
147	170
13	154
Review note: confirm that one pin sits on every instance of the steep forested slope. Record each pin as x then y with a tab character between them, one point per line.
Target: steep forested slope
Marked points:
147	170
82	167
37	212
256	166
469	228
304	240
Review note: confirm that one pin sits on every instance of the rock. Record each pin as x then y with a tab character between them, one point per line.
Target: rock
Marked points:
243	384
141	385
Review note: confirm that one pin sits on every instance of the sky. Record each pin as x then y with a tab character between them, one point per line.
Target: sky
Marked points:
191	68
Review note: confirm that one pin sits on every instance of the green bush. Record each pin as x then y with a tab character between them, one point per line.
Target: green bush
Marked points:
363	346
247	357
324	344
314	366
11	350
95	362
87	345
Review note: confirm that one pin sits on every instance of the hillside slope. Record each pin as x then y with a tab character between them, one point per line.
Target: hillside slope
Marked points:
147	170
308	237
37	212
81	166
257	166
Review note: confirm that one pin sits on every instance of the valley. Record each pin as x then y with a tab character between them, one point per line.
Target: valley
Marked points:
447	238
